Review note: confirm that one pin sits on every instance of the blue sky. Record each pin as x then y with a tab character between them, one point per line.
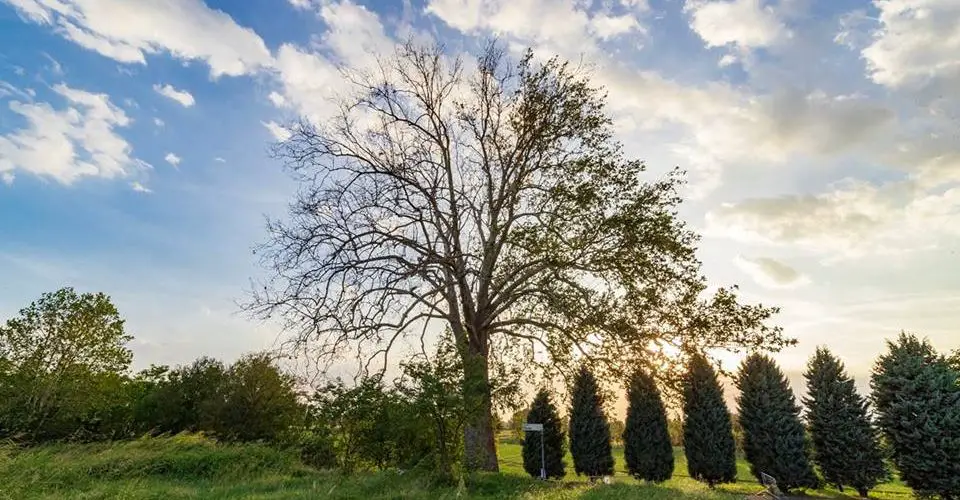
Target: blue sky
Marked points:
821	140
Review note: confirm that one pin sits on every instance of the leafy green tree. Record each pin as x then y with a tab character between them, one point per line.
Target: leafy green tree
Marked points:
589	431
259	400
774	439
846	443
372	425
432	387
917	399
495	202
60	357
188	398
707	430
646	440
954	360
542	411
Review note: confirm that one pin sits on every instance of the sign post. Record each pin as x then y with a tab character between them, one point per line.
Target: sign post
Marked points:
543	461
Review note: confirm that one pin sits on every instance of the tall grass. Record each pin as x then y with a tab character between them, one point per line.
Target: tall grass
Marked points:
194	467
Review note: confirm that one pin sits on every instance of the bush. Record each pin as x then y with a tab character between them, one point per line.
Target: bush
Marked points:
846	444
542	411
589	431
917	397
707	430
646	440
774	439
258	401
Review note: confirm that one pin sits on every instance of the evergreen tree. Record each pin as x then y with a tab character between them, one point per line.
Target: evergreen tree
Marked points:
544	412
707	430
774	439
589	431
646	442
917	399
846	444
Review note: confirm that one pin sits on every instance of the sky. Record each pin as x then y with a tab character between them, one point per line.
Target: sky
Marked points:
821	139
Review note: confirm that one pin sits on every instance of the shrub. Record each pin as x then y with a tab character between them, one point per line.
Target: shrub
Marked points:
774	439
707	430
589	431
646	440
846	444
542	411
917	397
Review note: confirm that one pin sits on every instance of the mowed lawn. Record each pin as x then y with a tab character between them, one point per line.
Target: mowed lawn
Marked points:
191	467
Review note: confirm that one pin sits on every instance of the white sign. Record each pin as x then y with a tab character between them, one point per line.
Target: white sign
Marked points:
533	427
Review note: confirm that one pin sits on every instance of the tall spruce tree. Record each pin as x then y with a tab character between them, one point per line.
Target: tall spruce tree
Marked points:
846	443
646	442
544	412
774	439
707	430
917	398
589	431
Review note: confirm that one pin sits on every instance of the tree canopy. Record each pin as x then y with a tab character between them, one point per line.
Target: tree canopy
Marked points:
492	199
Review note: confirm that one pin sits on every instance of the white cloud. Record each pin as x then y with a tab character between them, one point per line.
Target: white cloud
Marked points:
129	31
158	122
277	99
310	78
851	219
554	26
181	96
917	41
172	159
8	89
140	188
55	67
65	144
727	60
279	132
219	160
606	27
770	273
7	178
746	24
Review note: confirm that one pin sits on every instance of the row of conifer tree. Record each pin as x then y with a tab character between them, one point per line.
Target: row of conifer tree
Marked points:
914	420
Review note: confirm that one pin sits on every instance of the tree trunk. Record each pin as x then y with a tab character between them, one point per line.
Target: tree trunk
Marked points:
479	445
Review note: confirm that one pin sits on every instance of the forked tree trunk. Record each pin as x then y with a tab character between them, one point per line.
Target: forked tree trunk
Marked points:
479	444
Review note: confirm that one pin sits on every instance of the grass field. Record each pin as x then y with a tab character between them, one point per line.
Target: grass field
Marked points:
193	467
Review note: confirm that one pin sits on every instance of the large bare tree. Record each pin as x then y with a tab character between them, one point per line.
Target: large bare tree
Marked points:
495	201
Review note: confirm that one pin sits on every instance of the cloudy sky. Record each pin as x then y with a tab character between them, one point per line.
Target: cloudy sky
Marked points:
821	138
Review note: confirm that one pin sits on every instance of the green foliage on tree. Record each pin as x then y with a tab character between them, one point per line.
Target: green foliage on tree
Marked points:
846	443
61	360
774	439
589	431
917	399
646	440
707	429
372	424
432	389
187	398
543	411
258	401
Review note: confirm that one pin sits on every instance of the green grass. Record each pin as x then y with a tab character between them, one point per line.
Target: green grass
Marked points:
191	467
